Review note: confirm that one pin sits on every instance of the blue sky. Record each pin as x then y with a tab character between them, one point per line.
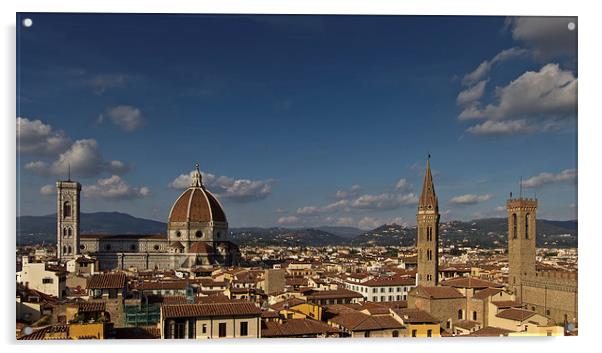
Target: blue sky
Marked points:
298	120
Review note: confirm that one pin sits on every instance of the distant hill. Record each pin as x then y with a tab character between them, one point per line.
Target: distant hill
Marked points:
485	233
36	229
285	237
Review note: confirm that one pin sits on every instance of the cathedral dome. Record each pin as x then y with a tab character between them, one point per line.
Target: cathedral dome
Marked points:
197	204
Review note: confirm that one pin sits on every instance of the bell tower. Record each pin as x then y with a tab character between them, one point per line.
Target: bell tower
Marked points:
427	238
521	240
67	218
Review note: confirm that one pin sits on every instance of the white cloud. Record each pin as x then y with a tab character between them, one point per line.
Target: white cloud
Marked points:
47	190
472	94
492	127
236	190
485	67
470	199
384	201
345	222
114	188
35	137
549	92
84	159
126	117
402	185
567	175
547	36
346	194
101	82
288	220
370	223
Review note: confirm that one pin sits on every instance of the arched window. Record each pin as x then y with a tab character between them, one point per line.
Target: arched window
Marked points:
474	316
64	232
527	226
460	314
199	234
69	249
67	209
514	225
156	247
64	249
178	234
69	232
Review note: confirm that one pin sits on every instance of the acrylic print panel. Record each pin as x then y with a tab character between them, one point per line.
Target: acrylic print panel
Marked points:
263	176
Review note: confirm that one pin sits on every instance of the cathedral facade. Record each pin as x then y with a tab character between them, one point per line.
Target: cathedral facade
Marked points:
196	235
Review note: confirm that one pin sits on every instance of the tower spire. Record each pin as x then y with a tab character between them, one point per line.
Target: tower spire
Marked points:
68	171
197	178
428	198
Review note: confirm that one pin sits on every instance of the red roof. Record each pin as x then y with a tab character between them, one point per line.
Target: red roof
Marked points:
197	204
210	310
107	281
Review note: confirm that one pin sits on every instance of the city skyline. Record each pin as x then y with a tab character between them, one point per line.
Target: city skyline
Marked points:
301	121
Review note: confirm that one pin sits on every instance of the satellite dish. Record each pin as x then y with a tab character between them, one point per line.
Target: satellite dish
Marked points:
27	330
570	327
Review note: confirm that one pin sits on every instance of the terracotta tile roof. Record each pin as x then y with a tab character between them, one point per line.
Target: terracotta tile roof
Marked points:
214	298
337	309
362	322
107	281
416	316
269	314
176	245
86	307
466	324
210	310
196	204
139	332
333	294
200	247
506	304
469	282
515	314
288	303
296	327
41	333
437	292
490	332
486	293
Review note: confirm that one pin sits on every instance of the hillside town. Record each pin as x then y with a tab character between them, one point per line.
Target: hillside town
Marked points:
194	283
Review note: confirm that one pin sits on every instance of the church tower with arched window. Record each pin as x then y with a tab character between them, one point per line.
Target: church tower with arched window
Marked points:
67	213
427	238
521	241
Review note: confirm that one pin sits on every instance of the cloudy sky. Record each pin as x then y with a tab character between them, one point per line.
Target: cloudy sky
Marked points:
298	120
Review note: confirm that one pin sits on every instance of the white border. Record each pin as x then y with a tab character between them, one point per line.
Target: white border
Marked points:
589	143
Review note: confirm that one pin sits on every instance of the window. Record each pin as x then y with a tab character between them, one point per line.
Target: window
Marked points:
108	247
133	247
367	334
527	226
390	289
514	225
413	333
460	314
67	209
382	298
156	247
65	232
244	328
395	333
47	280
204	328
548	312
474	316
82	247
69	251
429	333
222	329
178	234
289	316
199	234
69	232
548	333
191	328
217	235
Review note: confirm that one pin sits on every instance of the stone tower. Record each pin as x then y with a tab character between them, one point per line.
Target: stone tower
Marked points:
427	221
67	218
521	241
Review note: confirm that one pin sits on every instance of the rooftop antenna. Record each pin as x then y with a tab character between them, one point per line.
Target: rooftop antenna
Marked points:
68	171
521	187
